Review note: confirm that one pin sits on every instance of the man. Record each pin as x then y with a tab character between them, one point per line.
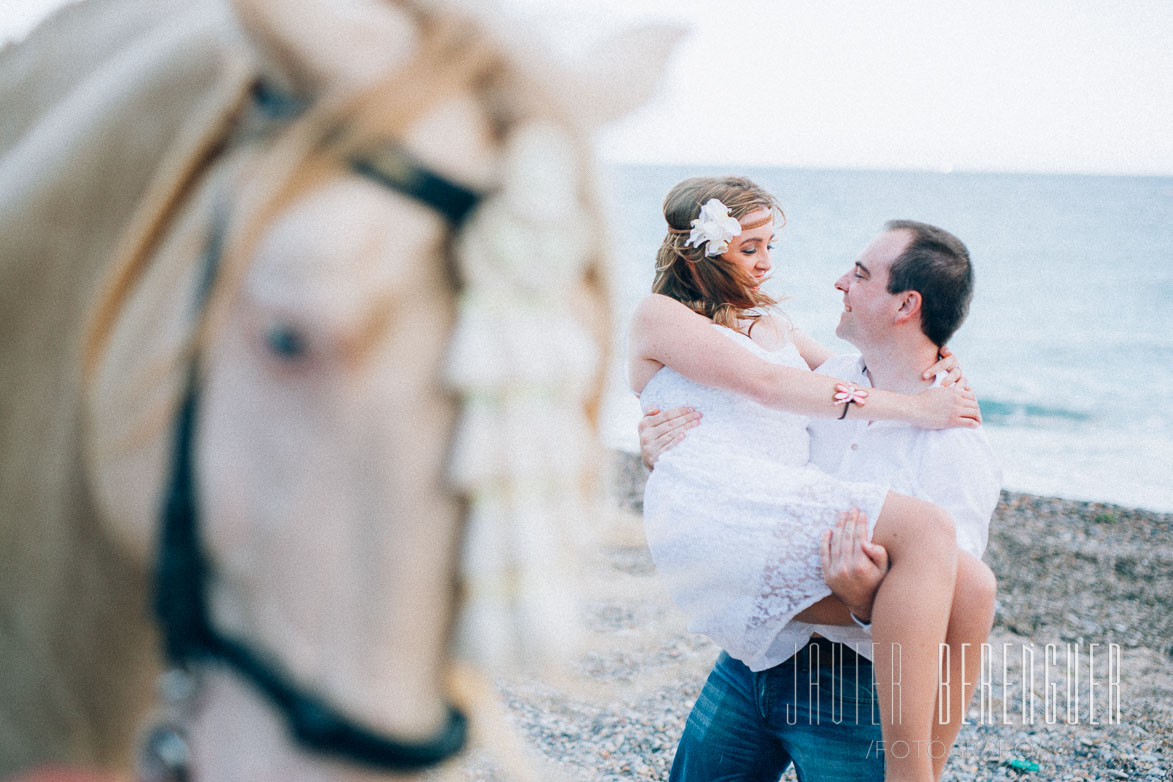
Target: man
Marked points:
903	299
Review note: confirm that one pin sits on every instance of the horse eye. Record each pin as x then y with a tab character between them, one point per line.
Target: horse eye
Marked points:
285	341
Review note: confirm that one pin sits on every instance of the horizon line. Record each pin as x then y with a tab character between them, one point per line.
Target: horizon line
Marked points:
885	168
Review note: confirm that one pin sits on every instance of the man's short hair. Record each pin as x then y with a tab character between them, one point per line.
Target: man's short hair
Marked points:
936	265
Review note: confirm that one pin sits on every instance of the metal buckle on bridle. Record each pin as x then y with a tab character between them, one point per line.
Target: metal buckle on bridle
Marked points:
181	604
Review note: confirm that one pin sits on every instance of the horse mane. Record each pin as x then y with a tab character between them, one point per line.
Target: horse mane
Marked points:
75	160
41	70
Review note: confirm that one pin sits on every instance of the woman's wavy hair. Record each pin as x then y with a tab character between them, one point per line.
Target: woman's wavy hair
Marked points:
710	285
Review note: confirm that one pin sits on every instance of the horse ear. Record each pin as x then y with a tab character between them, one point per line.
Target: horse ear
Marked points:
311	46
625	70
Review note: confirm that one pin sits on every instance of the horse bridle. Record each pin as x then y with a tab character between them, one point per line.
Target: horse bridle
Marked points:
182	568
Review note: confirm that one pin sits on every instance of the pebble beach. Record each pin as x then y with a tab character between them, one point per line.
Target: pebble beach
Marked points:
1078	675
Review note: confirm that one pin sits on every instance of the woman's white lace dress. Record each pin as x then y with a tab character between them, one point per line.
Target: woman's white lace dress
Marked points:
733	513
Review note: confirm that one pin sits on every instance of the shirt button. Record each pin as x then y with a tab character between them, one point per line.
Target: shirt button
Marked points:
855	446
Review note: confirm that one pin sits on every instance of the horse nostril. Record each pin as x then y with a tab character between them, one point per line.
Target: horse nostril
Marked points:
285	341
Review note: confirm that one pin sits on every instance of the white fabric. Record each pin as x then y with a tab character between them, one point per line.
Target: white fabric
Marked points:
953	468
525	368
733	514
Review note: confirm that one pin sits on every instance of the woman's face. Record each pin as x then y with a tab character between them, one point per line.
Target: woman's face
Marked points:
751	249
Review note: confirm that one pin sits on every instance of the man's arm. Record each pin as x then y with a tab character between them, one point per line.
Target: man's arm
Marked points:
853	567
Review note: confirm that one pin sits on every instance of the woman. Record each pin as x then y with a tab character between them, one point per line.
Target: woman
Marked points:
733	513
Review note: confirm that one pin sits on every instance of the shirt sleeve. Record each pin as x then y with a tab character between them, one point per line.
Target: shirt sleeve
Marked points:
959	472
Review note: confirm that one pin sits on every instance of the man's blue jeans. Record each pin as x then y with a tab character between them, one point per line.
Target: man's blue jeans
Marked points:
817	710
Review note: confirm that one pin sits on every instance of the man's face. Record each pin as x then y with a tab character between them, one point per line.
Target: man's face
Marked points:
868	309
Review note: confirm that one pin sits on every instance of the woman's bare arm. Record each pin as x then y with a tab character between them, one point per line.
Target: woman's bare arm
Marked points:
666	333
813	352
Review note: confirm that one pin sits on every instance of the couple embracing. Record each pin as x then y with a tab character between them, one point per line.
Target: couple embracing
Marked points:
823	527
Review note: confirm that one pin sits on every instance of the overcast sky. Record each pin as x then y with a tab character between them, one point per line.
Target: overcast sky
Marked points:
1068	85
1019	85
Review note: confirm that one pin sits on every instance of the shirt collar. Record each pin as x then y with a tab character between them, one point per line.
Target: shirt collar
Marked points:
862	368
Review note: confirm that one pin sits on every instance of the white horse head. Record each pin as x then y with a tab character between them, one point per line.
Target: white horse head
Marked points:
371	252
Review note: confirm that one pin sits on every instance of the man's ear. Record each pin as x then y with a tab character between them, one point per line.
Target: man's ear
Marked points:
910	304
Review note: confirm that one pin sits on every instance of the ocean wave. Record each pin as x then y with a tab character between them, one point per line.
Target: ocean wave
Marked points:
999	413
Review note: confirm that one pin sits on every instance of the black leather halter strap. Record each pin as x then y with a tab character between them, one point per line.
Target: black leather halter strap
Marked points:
392	166
182	572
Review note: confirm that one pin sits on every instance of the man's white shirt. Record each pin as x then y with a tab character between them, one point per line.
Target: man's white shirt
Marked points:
952	468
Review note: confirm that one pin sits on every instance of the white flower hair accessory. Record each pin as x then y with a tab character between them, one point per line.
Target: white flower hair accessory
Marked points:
714	226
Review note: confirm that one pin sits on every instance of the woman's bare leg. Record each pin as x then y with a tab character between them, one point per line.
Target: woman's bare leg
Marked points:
971	615
970	620
909	619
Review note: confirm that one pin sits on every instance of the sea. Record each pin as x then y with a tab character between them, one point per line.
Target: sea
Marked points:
1069	340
